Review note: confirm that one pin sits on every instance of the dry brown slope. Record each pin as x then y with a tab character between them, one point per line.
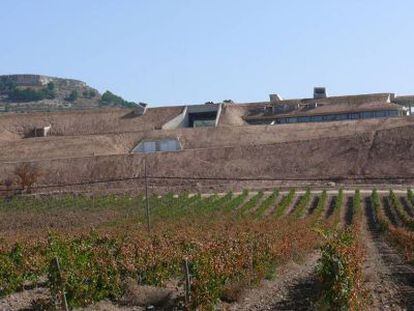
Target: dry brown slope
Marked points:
99	121
106	144
338	157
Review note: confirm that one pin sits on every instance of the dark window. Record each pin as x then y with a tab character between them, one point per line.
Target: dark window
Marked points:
380	114
150	146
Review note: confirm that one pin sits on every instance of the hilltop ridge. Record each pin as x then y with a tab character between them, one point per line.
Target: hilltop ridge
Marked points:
33	92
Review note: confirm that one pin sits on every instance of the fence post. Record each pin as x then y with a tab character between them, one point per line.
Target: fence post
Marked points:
146	195
187	284
65	302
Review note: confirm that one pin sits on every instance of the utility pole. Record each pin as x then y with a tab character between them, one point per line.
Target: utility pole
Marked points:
146	195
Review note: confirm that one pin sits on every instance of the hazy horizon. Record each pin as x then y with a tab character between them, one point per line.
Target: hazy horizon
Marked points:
183	52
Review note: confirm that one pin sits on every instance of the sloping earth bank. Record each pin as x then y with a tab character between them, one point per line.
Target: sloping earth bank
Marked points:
386	154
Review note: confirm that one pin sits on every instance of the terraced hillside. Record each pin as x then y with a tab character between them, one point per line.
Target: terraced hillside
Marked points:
243	251
93	149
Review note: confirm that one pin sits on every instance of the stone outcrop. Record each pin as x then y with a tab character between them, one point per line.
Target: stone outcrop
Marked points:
69	94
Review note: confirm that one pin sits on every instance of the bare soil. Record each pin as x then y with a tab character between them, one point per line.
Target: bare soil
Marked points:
331	206
24	300
290	209
17	225
407	206
348	211
313	205
295	288
387	276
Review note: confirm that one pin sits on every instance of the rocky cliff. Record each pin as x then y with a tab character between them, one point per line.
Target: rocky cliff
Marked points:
27	92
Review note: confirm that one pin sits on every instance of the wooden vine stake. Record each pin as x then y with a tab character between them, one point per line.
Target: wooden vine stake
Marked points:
65	302
187	284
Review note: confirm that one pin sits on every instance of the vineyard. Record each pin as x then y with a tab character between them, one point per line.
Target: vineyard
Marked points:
281	250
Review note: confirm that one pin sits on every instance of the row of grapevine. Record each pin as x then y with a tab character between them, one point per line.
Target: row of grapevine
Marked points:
249	205
284	203
336	214
266	203
236	202
223	252
381	219
410	196
395	203
340	266
320	207
302	205
65	202
401	237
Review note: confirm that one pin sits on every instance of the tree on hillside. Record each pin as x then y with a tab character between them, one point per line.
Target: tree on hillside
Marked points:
110	99
49	91
27	94
6	85
73	96
89	94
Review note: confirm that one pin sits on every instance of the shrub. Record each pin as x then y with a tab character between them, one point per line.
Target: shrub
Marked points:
28	175
110	99
6	85
89	93
73	96
29	94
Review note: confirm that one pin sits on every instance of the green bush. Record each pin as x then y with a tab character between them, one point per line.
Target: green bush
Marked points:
30	94
110	99
6	85
89	94
73	96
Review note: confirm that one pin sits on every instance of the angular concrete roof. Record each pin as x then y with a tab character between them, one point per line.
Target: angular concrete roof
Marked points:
323	106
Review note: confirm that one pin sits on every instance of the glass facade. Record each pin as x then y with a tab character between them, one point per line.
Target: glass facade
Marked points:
338	117
204	123
150	146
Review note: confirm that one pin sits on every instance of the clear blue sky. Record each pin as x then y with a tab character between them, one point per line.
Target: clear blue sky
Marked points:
173	52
